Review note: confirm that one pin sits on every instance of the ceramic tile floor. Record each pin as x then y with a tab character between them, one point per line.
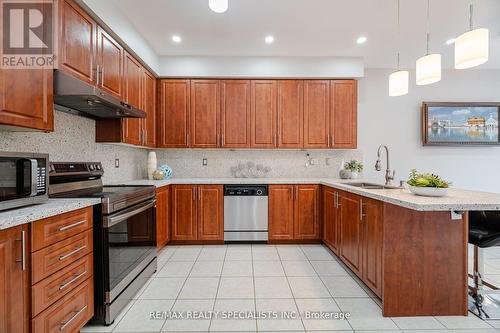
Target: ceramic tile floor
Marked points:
268	278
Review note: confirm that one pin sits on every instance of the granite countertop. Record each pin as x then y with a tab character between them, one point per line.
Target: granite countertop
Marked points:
456	200
15	217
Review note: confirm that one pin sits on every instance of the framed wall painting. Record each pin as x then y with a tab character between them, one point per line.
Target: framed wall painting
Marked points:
452	124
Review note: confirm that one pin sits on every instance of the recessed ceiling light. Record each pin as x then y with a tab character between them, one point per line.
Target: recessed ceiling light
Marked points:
361	40
269	39
218	6
450	41
176	39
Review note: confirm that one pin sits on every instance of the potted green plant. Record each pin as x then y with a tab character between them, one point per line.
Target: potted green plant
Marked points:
427	184
351	170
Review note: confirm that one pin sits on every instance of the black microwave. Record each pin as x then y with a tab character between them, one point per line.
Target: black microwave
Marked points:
23	179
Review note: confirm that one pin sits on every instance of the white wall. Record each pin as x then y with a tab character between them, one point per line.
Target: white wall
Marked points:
395	121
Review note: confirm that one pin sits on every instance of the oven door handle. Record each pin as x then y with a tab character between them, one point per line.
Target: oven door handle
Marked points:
110	221
34	177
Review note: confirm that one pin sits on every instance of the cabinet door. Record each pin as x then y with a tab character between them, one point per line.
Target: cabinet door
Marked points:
330	220
205	114
77	47
132	128
235	113
162	216
14	288
110	62
344	113
316	113
26	98
211	212
306	220
263	106
184	211
290	114
173	122
372	244
281	212
149	106
350	231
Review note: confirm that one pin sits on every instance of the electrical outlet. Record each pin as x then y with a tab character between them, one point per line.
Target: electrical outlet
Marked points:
117	162
205	162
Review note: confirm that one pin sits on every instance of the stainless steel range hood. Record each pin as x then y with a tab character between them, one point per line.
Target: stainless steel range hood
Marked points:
76	96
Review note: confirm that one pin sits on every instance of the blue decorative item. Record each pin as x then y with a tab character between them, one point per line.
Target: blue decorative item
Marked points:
167	171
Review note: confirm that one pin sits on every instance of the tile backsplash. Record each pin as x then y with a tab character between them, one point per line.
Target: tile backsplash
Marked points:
187	163
74	140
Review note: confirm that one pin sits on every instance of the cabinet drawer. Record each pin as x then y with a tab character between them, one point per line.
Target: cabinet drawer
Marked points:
54	229
69	314
53	288
55	257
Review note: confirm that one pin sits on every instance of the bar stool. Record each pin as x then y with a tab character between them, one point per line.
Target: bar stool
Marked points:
484	232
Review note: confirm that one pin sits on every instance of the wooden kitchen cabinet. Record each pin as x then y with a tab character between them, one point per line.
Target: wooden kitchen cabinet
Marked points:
110	56
317	114
77	42
14	280
263	112
132	78
294	212
173	113
290	114
344	114
197	213
149	106
162	216
210	212
235	113
205	114
351	231
372	212
307	206
331	226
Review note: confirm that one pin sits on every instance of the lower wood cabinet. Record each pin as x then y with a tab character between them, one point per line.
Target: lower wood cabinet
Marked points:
14	280
331	227
350	231
294	212
162	216
371	267
197	213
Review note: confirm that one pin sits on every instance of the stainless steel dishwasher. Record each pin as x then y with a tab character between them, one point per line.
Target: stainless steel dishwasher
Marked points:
245	213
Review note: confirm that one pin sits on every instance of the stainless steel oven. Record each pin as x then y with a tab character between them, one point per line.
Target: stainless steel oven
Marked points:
23	179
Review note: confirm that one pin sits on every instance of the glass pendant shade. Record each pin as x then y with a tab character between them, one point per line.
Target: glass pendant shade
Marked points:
398	83
428	69
472	48
218	6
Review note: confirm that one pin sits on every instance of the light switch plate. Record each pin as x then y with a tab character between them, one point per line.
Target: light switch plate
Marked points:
117	162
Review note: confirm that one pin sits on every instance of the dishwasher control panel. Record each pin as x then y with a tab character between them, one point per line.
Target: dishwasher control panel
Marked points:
245	190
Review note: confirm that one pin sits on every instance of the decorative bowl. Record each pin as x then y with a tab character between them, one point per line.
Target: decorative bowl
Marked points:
167	171
429	191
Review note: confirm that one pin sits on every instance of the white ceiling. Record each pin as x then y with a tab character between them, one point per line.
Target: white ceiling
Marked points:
310	28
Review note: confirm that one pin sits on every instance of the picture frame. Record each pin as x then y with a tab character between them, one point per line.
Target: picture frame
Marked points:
460	124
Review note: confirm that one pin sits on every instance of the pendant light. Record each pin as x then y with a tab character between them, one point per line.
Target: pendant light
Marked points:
472	47
428	67
398	80
218	6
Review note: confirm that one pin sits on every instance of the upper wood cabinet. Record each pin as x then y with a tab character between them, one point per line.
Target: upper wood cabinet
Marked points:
173	113
132	82
205	114
235	113
77	42
27	99
316	114
14	281
290	113
344	114
149	106
109	64
263	107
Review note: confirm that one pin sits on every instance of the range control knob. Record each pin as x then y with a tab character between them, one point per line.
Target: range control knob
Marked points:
98	166
259	192
91	167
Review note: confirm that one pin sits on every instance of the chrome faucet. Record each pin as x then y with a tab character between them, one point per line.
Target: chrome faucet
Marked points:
389	174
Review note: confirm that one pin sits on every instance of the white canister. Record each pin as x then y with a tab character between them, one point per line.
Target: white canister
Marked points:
152	164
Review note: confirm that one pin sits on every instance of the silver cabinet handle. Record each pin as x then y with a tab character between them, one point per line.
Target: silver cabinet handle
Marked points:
71	226
75	251
329	140
97	74
66	284
361	205
66	323
338	200
23	250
